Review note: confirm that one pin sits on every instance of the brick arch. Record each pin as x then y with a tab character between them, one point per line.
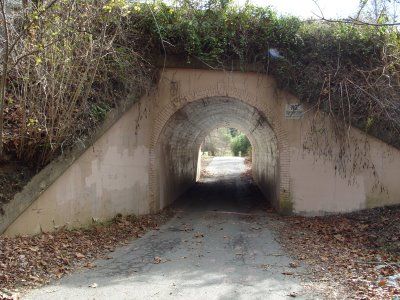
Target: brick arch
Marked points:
221	90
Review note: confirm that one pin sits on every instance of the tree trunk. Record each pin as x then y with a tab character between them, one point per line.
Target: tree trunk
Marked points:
2	98
3	80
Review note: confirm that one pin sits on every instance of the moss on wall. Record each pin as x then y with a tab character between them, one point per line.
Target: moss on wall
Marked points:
285	204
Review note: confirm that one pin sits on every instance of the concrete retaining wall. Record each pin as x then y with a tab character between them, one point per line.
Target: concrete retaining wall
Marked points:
149	156
110	177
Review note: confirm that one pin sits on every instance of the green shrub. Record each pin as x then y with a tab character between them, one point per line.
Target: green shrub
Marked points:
87	56
240	145
348	71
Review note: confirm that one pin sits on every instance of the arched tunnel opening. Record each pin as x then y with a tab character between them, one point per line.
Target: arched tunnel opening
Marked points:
178	156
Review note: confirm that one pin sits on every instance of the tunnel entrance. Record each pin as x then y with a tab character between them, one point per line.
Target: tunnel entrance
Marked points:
178	150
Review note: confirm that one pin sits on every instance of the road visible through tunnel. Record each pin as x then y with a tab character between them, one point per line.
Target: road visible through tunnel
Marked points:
218	246
223	167
225	187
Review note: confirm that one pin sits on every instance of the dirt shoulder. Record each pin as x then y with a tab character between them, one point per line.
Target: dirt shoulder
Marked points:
30	262
358	253
205	161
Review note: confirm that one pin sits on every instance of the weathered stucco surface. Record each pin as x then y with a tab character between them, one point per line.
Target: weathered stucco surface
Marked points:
365	178
111	177
149	157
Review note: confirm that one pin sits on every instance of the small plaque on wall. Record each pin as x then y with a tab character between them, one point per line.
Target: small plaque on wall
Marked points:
294	111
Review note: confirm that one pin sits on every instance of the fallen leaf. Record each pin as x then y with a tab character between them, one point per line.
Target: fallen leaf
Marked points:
157	260
382	282
339	237
79	255
287	273
90	265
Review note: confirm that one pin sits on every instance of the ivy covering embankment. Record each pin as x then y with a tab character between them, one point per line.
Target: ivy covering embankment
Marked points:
76	60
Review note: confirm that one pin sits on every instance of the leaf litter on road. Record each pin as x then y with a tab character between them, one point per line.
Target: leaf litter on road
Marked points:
360	251
31	261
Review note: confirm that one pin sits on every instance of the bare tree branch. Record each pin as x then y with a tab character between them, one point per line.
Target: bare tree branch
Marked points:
352	21
3	80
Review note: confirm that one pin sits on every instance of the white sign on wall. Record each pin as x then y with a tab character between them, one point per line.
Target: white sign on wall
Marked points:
294	111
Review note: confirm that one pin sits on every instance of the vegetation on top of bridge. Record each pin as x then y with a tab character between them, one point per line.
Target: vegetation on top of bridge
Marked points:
68	62
347	70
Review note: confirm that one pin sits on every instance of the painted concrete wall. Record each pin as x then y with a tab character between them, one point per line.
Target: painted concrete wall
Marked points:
110	177
139	165
315	186
178	88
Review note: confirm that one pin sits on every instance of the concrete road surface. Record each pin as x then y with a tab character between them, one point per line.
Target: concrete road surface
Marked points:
218	246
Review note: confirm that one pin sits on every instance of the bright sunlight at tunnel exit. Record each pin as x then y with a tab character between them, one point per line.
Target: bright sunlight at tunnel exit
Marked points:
226	142
225	152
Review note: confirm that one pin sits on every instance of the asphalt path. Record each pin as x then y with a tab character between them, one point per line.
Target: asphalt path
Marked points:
219	245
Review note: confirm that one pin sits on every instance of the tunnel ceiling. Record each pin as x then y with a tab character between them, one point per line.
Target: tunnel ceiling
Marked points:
188	126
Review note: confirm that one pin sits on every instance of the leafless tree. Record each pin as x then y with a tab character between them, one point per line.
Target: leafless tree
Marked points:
379	13
12	14
64	65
